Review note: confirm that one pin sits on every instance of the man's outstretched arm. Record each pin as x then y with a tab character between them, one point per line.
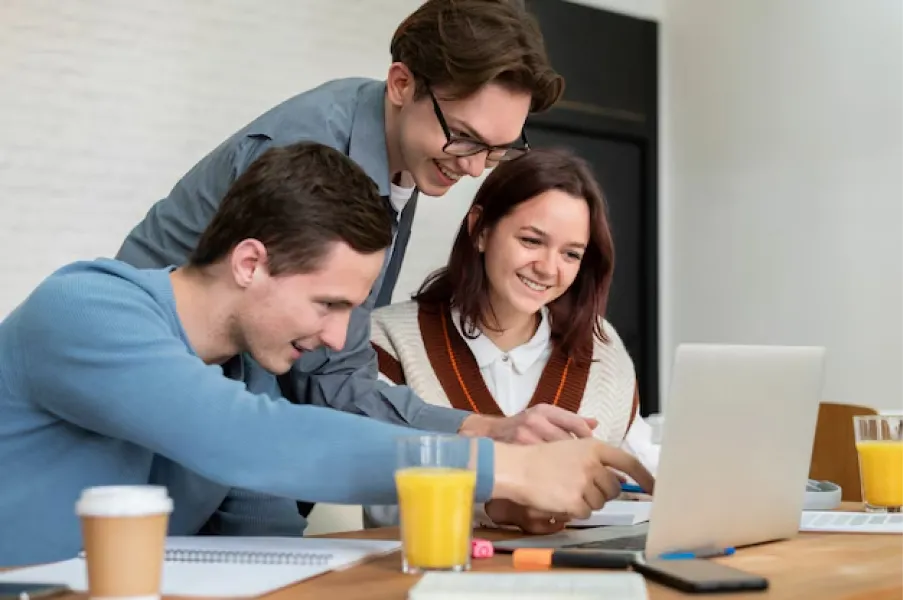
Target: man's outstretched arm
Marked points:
347	381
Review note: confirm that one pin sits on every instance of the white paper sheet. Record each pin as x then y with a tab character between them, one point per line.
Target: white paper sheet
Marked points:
529	586
851	522
617	512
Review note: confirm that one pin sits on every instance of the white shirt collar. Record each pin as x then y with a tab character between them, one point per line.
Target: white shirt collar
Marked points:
399	197
522	357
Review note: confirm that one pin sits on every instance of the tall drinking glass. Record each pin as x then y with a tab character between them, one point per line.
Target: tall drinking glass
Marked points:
436	480
879	442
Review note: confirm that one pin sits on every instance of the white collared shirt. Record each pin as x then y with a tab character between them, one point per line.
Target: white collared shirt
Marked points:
399	197
511	377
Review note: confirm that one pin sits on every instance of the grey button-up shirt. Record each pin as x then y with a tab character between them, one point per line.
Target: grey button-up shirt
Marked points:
349	115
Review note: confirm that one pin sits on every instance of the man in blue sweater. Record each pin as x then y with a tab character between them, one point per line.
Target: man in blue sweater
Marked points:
114	375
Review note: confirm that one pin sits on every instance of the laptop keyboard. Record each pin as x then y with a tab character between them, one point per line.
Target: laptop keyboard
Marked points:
633	542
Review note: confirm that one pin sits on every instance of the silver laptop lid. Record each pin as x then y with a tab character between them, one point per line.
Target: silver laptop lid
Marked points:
736	446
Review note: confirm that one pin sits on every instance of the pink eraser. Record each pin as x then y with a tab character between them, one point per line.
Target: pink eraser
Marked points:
481	548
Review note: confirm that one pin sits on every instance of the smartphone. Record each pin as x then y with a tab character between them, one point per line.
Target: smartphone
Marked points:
26	591
700	576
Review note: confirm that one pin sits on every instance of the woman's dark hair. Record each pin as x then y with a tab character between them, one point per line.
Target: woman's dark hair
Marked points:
462	283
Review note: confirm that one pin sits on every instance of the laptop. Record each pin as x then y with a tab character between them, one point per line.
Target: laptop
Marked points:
736	448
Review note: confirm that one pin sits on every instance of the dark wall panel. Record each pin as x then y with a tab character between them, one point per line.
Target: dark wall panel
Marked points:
609	117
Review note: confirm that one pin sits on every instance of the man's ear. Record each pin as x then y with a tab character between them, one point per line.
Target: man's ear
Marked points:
400	84
472	217
248	262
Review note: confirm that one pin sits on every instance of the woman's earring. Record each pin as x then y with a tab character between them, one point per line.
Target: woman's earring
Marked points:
481	243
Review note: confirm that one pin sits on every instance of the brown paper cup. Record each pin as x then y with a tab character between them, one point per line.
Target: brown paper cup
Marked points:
124	535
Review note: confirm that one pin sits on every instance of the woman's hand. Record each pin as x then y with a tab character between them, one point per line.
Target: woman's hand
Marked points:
530	520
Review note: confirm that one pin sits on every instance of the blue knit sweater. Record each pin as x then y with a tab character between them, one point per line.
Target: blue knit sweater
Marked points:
99	385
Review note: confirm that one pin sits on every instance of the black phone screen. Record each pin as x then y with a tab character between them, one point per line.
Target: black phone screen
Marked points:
700	575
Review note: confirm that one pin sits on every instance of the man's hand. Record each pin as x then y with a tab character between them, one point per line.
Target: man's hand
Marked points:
530	520
571	476
540	423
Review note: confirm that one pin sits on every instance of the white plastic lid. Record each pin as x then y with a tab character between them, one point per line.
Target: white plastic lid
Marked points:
123	501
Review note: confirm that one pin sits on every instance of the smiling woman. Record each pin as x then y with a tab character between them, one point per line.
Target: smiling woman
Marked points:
516	319
541	217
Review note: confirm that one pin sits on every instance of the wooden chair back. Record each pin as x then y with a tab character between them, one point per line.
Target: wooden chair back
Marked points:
834	456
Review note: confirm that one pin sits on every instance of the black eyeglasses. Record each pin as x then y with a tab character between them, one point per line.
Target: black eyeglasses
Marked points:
463	147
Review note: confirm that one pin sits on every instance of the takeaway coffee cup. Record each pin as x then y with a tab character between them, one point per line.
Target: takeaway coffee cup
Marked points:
124	534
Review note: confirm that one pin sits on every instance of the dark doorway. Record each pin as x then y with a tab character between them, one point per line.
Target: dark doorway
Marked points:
608	117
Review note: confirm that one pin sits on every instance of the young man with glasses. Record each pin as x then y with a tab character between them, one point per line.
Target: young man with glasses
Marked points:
464	76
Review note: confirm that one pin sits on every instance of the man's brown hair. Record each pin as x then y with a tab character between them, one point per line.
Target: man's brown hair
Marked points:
297	200
461	45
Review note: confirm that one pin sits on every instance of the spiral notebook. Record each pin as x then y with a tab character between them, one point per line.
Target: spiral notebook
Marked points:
228	566
311	552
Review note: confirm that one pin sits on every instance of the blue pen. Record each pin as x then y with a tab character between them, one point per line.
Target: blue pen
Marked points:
631	488
705	553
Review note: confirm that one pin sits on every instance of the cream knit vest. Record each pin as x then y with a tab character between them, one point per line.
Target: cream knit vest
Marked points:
609	392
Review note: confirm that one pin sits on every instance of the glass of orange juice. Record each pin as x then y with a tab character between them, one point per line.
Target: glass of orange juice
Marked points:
879	441
436	479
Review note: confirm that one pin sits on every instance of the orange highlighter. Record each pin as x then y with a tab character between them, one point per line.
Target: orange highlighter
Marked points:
541	559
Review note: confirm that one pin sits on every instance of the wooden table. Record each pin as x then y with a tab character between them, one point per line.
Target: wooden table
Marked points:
812	566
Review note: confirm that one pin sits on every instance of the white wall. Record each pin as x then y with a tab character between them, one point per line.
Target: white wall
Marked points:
105	104
785	181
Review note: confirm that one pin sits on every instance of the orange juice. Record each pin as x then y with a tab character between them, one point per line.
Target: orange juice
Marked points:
436	511
881	470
